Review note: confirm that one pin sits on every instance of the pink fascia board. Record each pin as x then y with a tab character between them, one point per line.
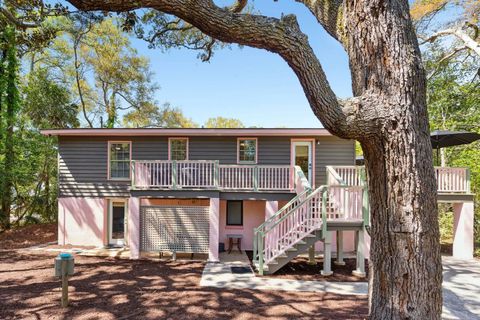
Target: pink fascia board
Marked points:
291	132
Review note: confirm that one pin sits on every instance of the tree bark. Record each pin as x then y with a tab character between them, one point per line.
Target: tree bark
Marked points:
388	115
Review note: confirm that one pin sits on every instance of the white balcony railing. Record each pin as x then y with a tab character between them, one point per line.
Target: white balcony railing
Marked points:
449	180
207	174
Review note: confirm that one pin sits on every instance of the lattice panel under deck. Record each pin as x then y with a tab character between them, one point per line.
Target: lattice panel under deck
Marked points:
174	228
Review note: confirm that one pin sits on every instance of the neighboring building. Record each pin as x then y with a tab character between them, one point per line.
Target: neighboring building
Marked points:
190	190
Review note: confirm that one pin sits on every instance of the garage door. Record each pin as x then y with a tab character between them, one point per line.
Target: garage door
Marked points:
174	228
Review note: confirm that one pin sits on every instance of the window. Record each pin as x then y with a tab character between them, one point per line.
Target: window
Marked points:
247	150
119	153
234	213
178	148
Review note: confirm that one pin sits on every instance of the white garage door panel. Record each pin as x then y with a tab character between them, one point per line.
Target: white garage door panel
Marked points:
174	228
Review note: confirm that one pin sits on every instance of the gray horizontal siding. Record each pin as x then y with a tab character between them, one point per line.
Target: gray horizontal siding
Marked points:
223	149
83	160
332	151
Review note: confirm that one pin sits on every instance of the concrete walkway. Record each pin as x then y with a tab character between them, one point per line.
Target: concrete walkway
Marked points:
219	275
461	284
461	289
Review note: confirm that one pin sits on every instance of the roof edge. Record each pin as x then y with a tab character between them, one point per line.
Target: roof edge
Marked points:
188	132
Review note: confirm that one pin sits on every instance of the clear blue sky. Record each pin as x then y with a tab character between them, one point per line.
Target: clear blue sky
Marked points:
252	85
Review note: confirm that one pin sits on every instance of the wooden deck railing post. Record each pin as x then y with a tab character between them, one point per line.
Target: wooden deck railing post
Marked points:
467	177
255	239
174	175
365	207
132	165
216	173
255	178
260	254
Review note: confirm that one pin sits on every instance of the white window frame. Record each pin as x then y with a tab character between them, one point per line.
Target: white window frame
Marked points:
238	150
170	147
110	161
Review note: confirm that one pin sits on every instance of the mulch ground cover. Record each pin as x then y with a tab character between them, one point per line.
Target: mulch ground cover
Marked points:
108	288
299	269
28	236
104	288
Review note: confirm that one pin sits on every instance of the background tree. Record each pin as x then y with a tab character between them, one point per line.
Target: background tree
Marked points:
454	24
11	105
221	122
387	115
453	100
107	75
157	117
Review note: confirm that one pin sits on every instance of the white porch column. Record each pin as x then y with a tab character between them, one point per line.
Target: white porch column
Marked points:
463	230
134	227
214	233
339	261
327	255
360	271
271	207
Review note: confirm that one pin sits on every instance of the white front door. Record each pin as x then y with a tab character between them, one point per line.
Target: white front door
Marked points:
116	222
302	157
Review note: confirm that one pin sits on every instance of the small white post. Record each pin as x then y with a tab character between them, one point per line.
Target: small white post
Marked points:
339	261
327	255
360	271
311	256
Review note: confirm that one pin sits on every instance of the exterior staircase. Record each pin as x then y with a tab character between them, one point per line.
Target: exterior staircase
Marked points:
303	221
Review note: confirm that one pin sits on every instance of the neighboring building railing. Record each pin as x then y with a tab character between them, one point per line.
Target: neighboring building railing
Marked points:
449	180
452	180
209	174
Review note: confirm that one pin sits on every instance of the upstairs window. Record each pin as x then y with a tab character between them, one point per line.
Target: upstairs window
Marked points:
119	158
234	213
178	148
247	150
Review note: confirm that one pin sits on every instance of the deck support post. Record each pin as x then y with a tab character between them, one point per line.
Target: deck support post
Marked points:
214	234
339	261
327	255
311	256
360	271
134	227
463	230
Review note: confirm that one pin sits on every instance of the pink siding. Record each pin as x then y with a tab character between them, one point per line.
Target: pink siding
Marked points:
253	216
81	221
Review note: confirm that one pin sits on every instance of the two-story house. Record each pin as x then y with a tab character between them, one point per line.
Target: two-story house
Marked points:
121	186
280	191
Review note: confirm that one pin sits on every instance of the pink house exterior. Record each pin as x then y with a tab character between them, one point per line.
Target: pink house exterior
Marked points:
190	190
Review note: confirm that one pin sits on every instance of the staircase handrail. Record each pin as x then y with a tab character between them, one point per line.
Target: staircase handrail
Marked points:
335	175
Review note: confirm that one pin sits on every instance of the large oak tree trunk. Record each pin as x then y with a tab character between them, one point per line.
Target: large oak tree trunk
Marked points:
405	251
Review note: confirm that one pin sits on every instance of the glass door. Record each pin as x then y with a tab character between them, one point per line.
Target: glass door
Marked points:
302	153
117	223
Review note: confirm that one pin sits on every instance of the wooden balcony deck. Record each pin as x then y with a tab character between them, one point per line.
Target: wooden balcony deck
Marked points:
450	181
210	175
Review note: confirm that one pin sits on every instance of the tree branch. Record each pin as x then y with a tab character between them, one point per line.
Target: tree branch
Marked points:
328	14
456	32
21	24
282	36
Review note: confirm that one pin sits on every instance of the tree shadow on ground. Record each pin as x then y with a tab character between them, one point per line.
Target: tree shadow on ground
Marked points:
139	289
